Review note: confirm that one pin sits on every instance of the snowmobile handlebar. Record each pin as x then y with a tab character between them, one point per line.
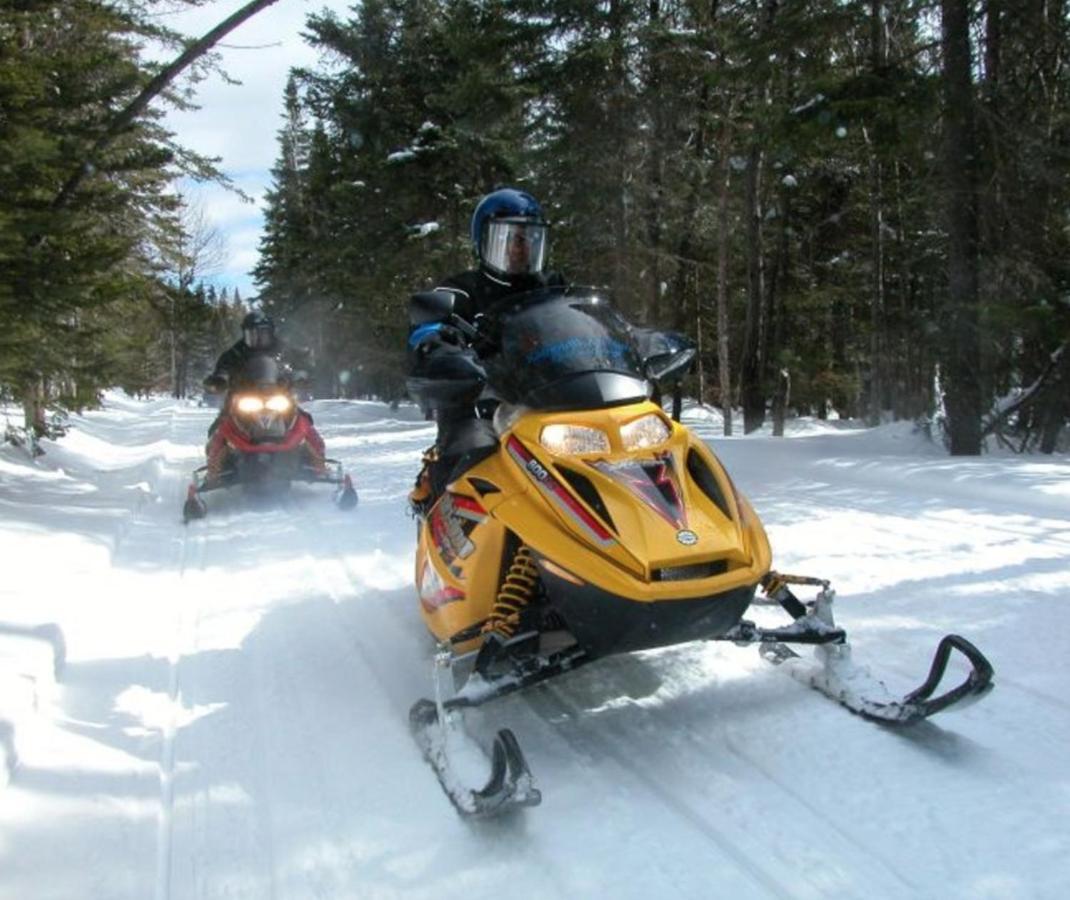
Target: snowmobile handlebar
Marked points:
429	307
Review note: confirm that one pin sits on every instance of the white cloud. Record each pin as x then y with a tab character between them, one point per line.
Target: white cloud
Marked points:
239	123
220	207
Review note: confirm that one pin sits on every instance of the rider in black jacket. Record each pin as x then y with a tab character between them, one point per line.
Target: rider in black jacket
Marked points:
258	336
508	233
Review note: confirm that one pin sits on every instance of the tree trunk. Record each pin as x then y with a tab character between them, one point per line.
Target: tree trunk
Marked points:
752	392
753	365
33	408
877	341
962	345
618	65
700	352
656	169
724	365
781	399
687	247
778	313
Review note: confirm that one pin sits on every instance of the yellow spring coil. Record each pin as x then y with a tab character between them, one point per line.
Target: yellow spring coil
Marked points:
515	594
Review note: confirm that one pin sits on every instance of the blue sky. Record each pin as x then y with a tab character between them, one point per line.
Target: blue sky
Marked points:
238	123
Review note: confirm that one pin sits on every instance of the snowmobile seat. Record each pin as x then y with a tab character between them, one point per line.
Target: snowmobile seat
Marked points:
469	441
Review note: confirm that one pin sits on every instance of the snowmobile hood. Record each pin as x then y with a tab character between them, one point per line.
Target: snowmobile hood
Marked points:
662	522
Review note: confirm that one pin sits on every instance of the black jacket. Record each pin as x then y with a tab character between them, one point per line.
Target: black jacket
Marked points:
476	290
232	361
445	357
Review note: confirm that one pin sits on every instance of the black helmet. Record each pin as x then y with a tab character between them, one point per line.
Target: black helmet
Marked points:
258	331
509	233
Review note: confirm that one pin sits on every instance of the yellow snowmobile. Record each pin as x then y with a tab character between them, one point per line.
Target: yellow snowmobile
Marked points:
582	521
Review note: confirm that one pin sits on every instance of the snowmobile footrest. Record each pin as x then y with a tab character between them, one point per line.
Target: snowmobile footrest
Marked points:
805	630
524	672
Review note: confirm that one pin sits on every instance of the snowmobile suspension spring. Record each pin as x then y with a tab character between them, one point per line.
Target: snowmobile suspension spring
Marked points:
516	592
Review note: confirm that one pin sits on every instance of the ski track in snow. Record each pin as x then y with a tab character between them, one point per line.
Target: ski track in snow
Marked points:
234	721
755	836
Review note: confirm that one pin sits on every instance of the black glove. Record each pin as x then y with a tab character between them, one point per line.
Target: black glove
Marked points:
431	340
215	384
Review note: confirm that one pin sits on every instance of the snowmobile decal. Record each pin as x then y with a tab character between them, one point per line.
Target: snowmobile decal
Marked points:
484	487
467	508
434	592
452	521
557	492
654	481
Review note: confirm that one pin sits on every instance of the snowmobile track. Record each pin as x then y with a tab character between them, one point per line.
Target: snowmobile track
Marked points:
165	827
338	587
547	701
782	785
302	713
189	555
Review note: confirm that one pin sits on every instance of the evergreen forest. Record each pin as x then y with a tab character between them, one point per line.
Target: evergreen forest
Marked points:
855	208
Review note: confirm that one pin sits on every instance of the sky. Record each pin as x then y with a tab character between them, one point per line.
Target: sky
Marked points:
238	123
232	717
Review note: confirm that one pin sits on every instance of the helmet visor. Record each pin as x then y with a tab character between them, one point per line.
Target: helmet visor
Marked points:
259	337
514	246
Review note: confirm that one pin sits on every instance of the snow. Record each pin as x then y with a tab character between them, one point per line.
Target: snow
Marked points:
232	717
424	229
809	104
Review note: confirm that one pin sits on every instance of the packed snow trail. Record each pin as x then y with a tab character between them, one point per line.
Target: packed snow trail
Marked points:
233	720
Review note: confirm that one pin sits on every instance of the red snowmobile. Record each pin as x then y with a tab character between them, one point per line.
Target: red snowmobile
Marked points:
268	442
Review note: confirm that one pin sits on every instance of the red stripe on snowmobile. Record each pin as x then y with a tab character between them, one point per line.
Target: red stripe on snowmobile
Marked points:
653	481
467	504
433	601
538	473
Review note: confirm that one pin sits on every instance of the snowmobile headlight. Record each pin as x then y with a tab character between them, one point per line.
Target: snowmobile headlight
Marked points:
278	403
568	439
249	404
649	431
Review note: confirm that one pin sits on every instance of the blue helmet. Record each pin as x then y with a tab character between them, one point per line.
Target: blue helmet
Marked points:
509	233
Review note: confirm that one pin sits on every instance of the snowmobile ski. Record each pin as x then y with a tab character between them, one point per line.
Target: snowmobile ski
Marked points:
194	507
510	784
347	496
837	676
438	727
852	686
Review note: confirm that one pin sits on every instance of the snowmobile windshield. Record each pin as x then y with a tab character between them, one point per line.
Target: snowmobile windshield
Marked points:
564	348
261	370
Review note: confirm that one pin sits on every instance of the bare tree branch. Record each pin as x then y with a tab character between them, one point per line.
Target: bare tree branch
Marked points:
125	117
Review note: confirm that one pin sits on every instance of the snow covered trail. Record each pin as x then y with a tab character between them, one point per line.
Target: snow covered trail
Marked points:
233	719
